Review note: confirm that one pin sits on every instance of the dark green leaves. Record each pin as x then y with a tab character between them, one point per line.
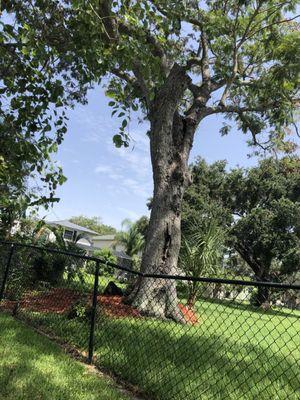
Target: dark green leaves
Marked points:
39	80
117	139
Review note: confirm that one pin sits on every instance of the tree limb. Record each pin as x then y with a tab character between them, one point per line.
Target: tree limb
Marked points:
240	109
274	23
114	27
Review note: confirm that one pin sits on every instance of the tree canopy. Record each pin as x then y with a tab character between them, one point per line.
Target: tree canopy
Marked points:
238	58
131	238
39	79
258	208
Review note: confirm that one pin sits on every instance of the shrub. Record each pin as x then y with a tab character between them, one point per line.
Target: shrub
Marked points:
105	255
49	267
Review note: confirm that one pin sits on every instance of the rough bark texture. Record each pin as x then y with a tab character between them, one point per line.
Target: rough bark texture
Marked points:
170	142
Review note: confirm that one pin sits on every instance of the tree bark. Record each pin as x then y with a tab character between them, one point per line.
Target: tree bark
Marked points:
261	270
158	297
170	143
262	296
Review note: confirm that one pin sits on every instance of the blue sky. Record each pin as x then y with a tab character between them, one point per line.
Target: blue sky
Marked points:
115	184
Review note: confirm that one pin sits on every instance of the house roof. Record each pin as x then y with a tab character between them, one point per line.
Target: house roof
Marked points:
105	237
121	254
70	225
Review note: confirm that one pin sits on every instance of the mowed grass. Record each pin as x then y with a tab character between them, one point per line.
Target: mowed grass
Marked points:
34	368
234	352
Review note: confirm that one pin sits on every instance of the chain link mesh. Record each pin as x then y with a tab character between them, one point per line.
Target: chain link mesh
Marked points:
218	344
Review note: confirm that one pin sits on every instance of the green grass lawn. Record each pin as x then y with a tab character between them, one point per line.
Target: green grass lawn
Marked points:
34	368
234	352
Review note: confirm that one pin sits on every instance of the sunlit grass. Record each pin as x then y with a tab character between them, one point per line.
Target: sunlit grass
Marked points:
34	368
234	352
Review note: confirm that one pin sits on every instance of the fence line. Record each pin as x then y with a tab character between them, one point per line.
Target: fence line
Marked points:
226	349
254	283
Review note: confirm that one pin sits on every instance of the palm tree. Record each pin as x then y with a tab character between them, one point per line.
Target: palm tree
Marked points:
131	238
200	254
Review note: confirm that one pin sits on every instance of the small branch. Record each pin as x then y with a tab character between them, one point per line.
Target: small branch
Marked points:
269	25
123	75
244	37
140	81
134	82
296	128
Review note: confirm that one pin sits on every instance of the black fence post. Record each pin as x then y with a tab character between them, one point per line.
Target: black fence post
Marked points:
93	316
5	276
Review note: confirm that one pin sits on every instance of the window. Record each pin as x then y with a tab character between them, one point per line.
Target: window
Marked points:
68	235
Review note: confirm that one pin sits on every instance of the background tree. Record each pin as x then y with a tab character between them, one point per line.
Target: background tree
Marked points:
205	198
266	201
142	225
260	211
131	238
93	223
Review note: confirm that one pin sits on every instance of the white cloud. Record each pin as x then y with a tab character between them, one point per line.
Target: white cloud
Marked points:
102	168
138	188
108	171
129	213
93	127
129	167
136	158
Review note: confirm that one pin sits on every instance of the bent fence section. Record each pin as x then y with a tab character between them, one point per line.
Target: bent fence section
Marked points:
227	348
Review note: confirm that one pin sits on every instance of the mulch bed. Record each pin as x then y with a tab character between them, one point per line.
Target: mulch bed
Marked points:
56	300
113	306
61	300
189	314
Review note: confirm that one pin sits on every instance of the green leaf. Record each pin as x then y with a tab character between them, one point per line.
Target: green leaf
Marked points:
117	139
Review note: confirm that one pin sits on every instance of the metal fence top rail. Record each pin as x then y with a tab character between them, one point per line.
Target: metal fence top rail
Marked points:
98	260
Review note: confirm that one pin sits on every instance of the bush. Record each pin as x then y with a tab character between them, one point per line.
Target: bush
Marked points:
105	255
49	267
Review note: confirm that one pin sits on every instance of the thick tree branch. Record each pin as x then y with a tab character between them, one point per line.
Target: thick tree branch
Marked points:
250	260
241	109
114	27
140	81
204	60
140	86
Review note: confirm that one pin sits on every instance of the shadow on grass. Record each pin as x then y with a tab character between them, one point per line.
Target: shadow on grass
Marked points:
177	366
171	361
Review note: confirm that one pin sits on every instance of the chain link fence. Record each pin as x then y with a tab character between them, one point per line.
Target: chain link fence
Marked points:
223	344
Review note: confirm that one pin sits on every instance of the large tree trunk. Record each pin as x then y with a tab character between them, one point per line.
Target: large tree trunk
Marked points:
261	270
158	297
170	142
263	295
